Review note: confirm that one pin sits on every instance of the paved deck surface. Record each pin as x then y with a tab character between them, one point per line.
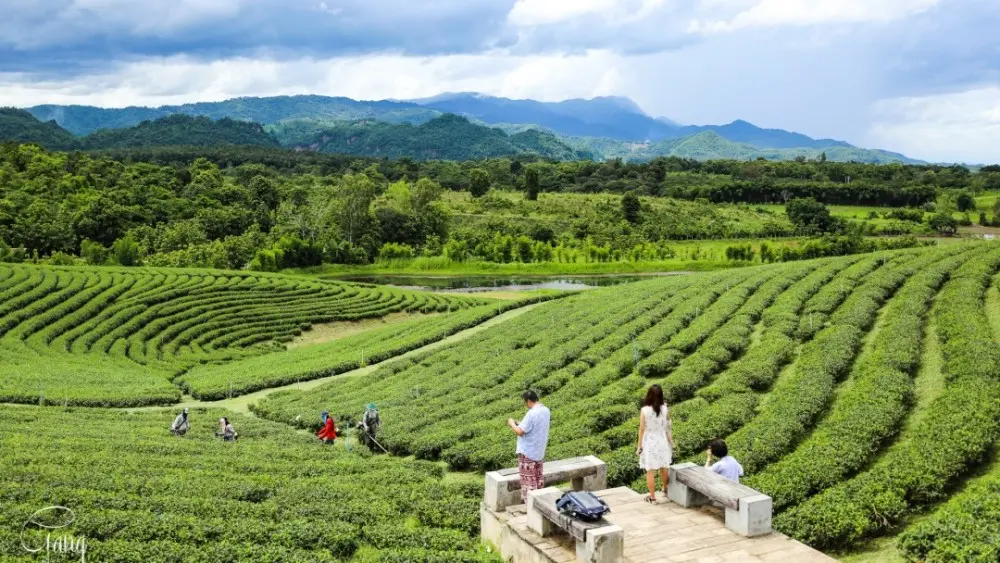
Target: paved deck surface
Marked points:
667	532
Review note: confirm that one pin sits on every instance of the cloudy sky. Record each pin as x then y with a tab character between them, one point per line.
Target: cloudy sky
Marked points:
918	76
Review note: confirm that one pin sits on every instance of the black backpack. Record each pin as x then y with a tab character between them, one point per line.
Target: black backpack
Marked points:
582	505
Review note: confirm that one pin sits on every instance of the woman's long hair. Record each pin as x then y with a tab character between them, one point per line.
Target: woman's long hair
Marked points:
654	399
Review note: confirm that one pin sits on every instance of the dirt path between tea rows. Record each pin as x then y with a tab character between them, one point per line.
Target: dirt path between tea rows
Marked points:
241	404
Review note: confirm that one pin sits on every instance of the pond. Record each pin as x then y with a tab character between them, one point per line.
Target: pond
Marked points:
472	284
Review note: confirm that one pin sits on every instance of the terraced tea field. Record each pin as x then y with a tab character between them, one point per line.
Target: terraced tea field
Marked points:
120	337
859	392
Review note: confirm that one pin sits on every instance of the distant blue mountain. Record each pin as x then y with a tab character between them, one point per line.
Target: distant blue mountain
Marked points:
741	131
616	118
609	117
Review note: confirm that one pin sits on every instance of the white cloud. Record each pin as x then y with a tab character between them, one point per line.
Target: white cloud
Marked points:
545	12
953	127
772	13
176	80
529	13
157	16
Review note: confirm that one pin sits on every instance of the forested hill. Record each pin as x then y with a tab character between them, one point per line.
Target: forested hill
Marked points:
612	117
448	137
83	120
181	130
20	126
176	130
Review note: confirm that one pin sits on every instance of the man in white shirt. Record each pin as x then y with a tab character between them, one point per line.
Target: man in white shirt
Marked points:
532	439
727	466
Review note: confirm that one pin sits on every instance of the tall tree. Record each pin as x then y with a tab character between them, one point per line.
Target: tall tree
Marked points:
631	207
965	202
810	216
425	191
479	182
531	183
355	193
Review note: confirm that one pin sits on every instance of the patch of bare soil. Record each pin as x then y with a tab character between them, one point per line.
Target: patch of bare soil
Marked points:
337	330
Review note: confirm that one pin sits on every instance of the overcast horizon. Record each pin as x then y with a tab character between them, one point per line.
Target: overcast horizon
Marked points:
920	77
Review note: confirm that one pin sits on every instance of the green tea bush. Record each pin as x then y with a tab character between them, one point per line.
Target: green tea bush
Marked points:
117	337
140	493
957	430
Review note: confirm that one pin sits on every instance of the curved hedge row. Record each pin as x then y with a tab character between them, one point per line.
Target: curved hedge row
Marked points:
965	528
958	429
218	381
872	407
800	398
117	336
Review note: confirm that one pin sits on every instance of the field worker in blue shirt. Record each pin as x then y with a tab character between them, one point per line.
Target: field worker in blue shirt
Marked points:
532	439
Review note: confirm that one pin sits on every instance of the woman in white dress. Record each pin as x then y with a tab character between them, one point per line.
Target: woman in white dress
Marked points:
656	440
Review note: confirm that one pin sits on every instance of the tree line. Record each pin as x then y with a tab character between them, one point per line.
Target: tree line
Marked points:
236	207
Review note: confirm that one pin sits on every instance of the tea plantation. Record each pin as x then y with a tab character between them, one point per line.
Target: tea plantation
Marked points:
859	392
117	337
862	393
140	494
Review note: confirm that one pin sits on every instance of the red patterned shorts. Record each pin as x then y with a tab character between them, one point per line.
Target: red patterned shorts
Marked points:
531	475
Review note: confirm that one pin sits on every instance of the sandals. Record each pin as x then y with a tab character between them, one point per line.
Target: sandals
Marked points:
649	499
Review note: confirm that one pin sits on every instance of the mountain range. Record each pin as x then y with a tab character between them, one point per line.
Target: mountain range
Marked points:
603	127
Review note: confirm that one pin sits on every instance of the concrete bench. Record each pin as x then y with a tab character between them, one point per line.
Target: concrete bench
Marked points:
748	512
503	487
596	542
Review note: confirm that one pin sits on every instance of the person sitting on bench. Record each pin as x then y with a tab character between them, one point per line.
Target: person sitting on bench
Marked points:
727	466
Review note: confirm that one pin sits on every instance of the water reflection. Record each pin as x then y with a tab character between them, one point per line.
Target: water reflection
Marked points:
471	284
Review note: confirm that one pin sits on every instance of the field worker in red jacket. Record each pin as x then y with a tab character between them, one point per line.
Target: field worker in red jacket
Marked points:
329	431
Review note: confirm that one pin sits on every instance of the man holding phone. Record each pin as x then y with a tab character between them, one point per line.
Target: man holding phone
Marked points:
532	439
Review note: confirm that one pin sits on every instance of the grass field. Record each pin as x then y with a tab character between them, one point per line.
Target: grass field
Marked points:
876	215
690	256
861	392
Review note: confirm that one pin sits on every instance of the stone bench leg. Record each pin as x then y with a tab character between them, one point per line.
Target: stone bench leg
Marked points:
681	493
753	518
536	522
596	482
497	497
605	544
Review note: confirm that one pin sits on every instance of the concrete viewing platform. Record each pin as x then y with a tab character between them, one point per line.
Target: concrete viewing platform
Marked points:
664	531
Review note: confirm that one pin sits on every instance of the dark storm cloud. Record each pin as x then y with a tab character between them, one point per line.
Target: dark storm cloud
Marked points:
66	36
